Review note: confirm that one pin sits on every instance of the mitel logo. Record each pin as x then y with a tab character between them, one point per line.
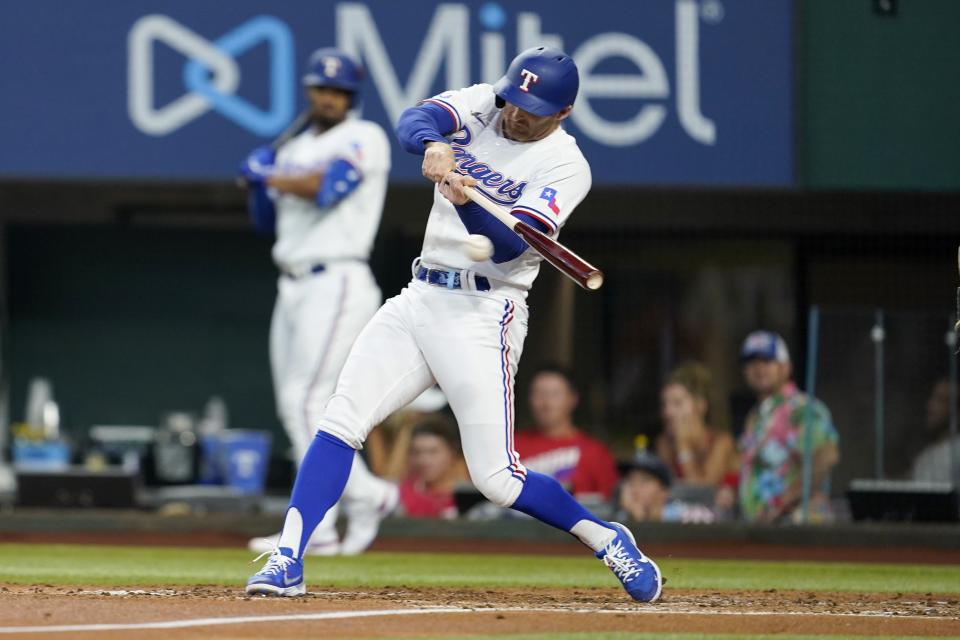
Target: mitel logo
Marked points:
447	45
211	75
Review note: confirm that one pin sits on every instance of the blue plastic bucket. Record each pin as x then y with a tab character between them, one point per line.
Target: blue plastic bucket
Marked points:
244	456
51	455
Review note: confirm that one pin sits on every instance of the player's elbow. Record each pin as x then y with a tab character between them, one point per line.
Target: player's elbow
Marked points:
341	179
415	127
407	130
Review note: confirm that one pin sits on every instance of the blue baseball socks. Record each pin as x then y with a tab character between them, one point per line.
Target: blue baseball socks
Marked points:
320	481
326	467
546	500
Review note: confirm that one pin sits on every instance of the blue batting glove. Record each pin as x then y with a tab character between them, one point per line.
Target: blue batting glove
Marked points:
258	165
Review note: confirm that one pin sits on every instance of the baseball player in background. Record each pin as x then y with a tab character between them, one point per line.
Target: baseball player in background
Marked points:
462	322
322	193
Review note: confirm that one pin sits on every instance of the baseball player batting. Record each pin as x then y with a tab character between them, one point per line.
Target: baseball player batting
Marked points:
462	322
322	192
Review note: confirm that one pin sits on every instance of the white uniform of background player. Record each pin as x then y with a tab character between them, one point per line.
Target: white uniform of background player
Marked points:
326	292
462	323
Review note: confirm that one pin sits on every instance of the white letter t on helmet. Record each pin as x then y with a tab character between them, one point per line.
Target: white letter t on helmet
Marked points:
528	77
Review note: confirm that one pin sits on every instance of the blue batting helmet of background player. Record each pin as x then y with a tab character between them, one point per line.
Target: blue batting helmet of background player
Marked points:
329	67
541	81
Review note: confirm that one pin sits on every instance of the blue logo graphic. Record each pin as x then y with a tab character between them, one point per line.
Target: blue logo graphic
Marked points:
274	32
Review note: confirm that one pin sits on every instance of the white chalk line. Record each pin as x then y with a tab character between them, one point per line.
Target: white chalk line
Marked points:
342	615
209	622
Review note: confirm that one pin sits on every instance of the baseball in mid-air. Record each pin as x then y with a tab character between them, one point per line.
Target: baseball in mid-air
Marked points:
478	247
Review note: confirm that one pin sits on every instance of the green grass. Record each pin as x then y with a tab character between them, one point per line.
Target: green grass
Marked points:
146	566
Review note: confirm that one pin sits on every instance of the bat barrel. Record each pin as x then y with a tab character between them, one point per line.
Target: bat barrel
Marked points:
594	280
570	264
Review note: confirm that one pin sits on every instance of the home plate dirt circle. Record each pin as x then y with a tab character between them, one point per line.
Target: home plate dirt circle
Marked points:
218	612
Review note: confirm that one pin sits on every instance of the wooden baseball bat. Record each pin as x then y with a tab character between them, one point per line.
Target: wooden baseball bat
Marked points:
570	264
295	127
299	124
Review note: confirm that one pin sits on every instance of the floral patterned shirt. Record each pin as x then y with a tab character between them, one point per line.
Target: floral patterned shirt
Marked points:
771	450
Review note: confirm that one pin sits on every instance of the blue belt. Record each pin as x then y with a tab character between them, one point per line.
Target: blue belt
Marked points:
317	268
449	279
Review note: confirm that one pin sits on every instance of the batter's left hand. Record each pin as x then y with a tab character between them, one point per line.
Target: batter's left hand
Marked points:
452	187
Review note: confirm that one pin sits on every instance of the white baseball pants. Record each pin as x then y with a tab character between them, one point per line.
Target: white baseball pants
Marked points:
468	342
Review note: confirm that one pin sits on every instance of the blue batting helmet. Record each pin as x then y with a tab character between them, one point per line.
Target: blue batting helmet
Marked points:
331	67
541	81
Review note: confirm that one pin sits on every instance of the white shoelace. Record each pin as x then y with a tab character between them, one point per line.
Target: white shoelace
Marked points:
620	562
276	564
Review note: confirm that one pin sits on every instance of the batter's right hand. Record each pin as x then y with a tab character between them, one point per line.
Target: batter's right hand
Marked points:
437	160
452	188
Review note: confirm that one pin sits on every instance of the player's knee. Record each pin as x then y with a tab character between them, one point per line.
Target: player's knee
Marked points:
340	419
341	432
500	488
289	405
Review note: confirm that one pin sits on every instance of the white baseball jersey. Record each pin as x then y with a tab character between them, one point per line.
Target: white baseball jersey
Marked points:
545	179
308	234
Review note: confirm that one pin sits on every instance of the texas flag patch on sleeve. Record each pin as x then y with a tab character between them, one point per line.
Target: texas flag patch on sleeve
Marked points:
357	149
550	195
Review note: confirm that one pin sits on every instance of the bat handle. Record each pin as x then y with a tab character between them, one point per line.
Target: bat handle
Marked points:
492	208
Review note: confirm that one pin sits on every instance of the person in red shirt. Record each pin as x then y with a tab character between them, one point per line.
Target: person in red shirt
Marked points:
434	467
556	447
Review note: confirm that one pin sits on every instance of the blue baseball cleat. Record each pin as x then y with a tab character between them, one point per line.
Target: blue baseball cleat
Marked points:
281	576
638	574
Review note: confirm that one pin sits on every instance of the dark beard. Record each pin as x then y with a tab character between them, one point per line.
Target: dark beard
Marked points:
323	122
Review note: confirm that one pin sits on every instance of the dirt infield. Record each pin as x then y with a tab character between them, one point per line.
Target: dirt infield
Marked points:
415	613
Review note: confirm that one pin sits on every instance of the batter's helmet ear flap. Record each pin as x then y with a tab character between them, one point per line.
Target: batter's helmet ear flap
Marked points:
541	81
